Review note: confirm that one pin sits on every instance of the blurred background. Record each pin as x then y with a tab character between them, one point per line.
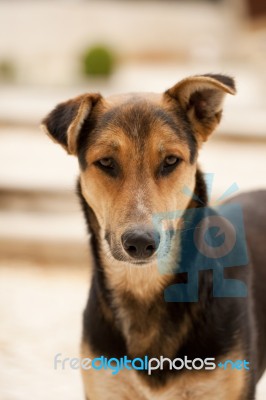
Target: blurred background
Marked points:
51	51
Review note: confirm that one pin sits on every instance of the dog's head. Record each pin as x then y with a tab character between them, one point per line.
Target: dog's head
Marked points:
136	154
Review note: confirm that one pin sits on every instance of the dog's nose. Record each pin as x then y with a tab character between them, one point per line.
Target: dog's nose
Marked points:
140	243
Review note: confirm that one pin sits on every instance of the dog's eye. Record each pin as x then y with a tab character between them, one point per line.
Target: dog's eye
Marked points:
169	161
169	164
106	162
108	165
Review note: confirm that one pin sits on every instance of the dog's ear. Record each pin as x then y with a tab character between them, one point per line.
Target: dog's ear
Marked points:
201	97
64	123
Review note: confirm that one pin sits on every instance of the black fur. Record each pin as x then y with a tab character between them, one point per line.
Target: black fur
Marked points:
224	79
59	119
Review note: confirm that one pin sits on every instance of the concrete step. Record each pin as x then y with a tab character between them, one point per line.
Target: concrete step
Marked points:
29	160
35	200
44	237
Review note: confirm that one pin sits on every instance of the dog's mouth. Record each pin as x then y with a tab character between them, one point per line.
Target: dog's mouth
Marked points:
117	253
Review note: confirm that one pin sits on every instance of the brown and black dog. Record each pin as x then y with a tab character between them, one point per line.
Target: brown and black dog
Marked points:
136	153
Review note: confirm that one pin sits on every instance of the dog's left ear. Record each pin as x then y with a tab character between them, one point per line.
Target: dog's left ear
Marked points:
64	123
201	97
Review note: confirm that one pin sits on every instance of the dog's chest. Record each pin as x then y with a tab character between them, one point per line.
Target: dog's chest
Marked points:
128	384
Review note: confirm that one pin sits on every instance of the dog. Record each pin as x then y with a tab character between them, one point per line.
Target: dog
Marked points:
137	152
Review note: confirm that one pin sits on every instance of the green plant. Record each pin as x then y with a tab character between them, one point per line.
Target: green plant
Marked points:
7	70
98	61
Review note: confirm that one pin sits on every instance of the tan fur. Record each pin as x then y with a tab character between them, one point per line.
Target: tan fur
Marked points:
75	126
127	384
138	344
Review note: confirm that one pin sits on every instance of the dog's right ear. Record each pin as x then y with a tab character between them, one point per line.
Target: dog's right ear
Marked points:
201	97
64	123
